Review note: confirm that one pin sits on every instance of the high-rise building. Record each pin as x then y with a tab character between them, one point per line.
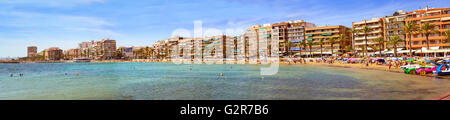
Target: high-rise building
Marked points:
296	33
440	17
71	53
103	49
32	51
53	53
292	31
376	26
280	34
106	49
393	26
86	49
315	34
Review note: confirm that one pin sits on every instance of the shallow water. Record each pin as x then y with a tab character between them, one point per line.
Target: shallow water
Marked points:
156	81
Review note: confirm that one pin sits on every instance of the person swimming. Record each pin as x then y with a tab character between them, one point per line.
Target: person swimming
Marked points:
12	75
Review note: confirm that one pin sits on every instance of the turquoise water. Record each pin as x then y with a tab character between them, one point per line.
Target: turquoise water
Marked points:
165	81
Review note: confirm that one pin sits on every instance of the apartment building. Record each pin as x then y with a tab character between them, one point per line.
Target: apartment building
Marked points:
314	35
393	26
86	49
106	49
103	49
436	16
242	48
376	26
296	33
292	31
231	48
71	53
264	42
214	48
186	49
280	34
251	37
31	51
160	49
53	53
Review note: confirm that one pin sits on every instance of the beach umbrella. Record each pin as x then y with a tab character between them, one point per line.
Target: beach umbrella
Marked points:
381	60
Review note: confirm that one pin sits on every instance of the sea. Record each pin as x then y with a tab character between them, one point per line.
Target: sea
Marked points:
169	81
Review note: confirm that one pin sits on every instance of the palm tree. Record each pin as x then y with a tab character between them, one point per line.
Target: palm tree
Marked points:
150	52
349	48
353	31
300	44
321	41
375	48
410	27
310	48
146	52
447	36
305	46
427	29
394	41
380	41
365	29
342	38
119	53
289	45
332	40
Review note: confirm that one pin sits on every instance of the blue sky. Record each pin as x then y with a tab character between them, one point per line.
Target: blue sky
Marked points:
65	23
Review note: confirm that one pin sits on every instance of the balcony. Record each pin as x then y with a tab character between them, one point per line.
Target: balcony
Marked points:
359	38
356	23
426	17
374	37
429	38
363	43
368	37
374	26
431	45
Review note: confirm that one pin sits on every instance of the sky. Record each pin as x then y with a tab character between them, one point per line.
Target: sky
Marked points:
65	23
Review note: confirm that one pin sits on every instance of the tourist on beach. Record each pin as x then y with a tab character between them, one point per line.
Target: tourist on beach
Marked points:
390	64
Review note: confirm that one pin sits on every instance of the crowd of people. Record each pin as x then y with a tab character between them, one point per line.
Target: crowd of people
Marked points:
391	62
